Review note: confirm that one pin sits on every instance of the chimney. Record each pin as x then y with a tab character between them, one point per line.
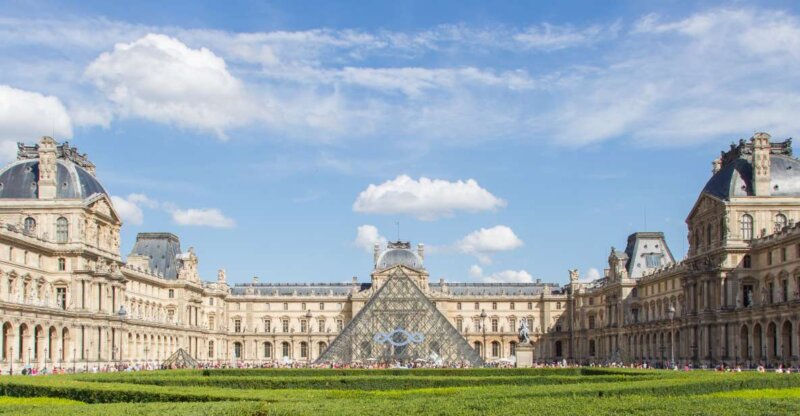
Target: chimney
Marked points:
376	252
255	280
761	171
421	250
47	168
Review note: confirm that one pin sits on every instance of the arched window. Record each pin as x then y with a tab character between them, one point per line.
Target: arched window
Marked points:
723	231
303	350
62	233
592	348
237	350
477	346
780	222
210	349
513	346
708	235
495	349
747	227
285	348
29	225
267	350
746	262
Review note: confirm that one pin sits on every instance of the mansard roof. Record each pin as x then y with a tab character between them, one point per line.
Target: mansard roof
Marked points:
162	249
735	176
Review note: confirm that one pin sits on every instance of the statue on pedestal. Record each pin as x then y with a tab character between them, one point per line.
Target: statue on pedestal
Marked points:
524	338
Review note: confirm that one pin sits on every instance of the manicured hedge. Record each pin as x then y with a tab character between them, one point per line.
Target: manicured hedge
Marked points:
361	382
514	392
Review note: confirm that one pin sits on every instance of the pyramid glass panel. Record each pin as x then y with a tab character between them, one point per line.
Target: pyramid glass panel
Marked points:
400	325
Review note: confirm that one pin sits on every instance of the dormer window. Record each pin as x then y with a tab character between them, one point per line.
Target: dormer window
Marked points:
62	230
780	222
747	227
29	225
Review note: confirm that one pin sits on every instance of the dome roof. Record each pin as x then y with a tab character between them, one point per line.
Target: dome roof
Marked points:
20	180
399	256
735	178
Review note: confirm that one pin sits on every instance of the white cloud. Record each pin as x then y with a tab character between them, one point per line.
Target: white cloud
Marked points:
592	273
366	237
505	276
553	37
425	199
128	210
660	81
206	217
25	116
482	243
159	78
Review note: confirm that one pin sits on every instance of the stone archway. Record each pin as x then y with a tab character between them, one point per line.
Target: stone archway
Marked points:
786	342
744	343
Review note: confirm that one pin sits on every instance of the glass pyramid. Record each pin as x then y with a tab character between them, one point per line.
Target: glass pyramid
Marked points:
400	325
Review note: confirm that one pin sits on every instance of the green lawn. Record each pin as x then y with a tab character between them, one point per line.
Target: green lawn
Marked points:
403	392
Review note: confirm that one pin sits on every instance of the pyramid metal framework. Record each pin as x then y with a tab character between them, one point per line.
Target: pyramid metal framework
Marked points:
181	359
400	324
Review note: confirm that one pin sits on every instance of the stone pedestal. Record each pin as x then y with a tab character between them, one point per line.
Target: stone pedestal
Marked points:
524	356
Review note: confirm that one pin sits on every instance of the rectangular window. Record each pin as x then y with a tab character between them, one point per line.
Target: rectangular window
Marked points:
783	254
321	325
769	258
635	313
785	290
494	306
477	306
494	325
211	323
771	293
303	326
591	322
476	325
237	325
61	297
511	306
303	306
460	324
211	301
285	306
652	260
267	325
321	306
62	264
285	325
458	306
558	305
513	323
171	293
339	325
530	305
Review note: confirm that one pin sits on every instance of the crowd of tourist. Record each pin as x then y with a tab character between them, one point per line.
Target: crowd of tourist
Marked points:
149	366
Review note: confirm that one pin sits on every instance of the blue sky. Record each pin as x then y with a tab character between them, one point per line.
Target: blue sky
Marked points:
515	139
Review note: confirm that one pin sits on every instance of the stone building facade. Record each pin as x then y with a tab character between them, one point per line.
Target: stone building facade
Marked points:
67	297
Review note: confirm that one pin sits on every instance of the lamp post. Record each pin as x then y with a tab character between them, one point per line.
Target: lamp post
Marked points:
308	322
60	358
146	350
46	358
11	363
74	351
29	354
671	314
483	328
122	314
86	357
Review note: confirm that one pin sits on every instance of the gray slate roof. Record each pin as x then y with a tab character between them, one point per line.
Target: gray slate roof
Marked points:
163	249
20	180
